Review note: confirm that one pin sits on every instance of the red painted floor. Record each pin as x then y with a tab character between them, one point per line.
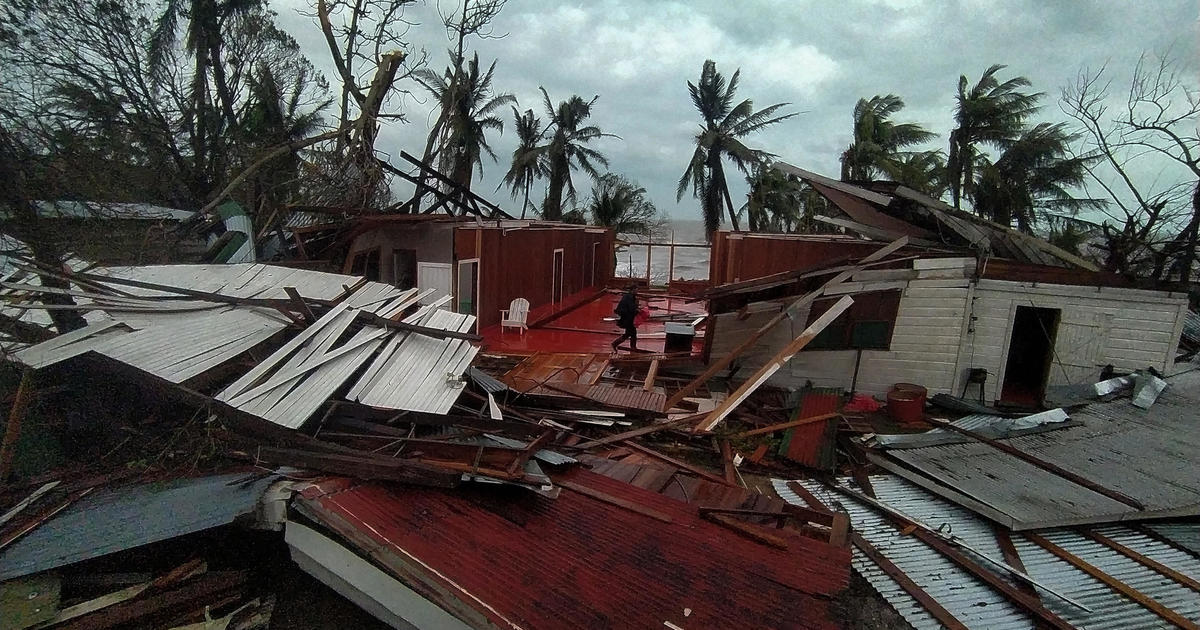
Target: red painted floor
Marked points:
582	327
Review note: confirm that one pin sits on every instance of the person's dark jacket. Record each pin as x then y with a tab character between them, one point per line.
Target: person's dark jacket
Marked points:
626	310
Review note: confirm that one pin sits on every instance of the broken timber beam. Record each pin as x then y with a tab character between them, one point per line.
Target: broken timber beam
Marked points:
773	365
785	425
944	617
950	547
651	374
646	430
677	463
795	306
747	530
1041	463
1141	559
1117	585
617	501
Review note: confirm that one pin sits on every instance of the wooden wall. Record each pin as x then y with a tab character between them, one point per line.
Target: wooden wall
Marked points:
432	240
736	257
935	341
519	263
1128	328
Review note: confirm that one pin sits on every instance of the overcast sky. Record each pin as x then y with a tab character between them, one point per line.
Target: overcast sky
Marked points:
821	56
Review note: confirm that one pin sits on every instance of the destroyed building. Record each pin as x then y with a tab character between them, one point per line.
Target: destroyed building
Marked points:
215	426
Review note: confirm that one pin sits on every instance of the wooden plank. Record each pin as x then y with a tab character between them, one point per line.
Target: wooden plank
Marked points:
1040	463
675	462
913	589
727	461
773	365
617	501
1142	559
651	373
1124	589
796	305
747	530
785	425
646	430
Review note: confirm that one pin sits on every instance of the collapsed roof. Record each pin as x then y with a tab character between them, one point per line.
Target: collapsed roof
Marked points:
887	210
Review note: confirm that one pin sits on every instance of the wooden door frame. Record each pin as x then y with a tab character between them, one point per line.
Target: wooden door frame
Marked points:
557	271
455	280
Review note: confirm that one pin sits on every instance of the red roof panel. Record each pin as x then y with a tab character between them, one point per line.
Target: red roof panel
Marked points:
523	561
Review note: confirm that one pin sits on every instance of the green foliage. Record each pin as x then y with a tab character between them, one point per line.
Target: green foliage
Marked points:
567	150
990	113
723	126
621	204
528	163
1033	175
467	97
878	141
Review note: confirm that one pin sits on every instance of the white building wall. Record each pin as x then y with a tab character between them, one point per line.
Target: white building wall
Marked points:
1128	328
935	341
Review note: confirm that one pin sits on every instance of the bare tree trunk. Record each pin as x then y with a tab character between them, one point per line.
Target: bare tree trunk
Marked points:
25	226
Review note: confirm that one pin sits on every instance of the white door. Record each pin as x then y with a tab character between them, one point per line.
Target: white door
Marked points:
1080	347
436	276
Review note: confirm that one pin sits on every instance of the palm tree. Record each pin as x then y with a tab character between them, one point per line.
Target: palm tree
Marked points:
528	164
566	150
1033	176
878	142
989	113
272	118
621	204
720	136
468	99
202	40
923	171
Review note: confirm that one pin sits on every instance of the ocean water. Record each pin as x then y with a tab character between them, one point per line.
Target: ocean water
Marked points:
691	263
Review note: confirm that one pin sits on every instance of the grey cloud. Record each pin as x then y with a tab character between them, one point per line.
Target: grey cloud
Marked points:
820	56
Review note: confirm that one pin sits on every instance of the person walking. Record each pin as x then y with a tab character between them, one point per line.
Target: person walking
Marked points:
626	312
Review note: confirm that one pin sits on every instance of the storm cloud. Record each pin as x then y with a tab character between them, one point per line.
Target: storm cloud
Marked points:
819	56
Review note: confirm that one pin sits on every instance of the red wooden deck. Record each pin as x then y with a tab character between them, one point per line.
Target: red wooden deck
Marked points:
577	324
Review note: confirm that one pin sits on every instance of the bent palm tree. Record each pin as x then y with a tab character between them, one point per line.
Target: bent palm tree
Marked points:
566	150
1033	176
989	113
622	205
878	142
724	125
467	98
528	164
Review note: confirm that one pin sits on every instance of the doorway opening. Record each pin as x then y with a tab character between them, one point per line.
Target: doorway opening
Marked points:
556	289
1030	355
468	287
404	268
366	264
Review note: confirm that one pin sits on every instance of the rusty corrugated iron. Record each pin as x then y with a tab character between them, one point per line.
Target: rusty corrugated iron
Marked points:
814	444
523	561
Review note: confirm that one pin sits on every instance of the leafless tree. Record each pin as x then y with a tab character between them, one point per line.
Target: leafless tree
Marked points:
1150	167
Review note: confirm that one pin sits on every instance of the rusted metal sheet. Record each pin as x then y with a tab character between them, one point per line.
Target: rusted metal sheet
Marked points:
865	213
741	257
577	561
813	444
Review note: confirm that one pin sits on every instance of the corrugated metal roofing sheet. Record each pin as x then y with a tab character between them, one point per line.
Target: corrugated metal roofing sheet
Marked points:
812	444
528	562
1149	454
115	519
978	605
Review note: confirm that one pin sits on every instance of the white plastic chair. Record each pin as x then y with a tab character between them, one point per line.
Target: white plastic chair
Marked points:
515	315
